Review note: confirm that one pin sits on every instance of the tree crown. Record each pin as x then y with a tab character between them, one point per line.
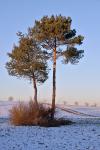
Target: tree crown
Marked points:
55	32
27	60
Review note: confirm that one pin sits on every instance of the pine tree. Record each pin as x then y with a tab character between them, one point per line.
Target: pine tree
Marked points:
28	61
55	36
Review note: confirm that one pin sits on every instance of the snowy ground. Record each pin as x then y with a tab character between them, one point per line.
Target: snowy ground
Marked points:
79	136
72	137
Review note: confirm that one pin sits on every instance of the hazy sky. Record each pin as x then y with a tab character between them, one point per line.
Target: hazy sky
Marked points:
74	82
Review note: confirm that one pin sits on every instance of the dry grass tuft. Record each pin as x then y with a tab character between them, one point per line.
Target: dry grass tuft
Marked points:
27	114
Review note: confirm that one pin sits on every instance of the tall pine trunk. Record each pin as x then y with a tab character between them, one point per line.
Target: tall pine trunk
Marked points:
54	81
35	91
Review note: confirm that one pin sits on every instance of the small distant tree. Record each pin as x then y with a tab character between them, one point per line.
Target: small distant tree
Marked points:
86	104
10	98
28	61
55	35
76	103
94	105
64	102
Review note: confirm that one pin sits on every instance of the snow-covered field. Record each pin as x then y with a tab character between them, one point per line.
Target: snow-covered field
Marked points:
83	135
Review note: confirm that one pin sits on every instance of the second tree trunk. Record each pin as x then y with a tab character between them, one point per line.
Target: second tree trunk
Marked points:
54	81
35	91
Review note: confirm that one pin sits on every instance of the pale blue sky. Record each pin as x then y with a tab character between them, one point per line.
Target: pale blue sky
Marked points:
74	83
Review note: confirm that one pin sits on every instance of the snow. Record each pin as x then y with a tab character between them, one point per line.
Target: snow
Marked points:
71	137
83	135
5	106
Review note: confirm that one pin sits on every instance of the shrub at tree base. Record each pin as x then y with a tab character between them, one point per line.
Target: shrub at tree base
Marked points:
28	114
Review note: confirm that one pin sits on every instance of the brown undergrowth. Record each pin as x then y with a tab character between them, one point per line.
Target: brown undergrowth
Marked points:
27	114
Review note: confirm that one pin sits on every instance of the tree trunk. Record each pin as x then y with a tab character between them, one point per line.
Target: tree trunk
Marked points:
54	81
35	91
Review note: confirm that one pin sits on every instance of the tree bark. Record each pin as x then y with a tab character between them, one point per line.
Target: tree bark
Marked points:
54	81
35	91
